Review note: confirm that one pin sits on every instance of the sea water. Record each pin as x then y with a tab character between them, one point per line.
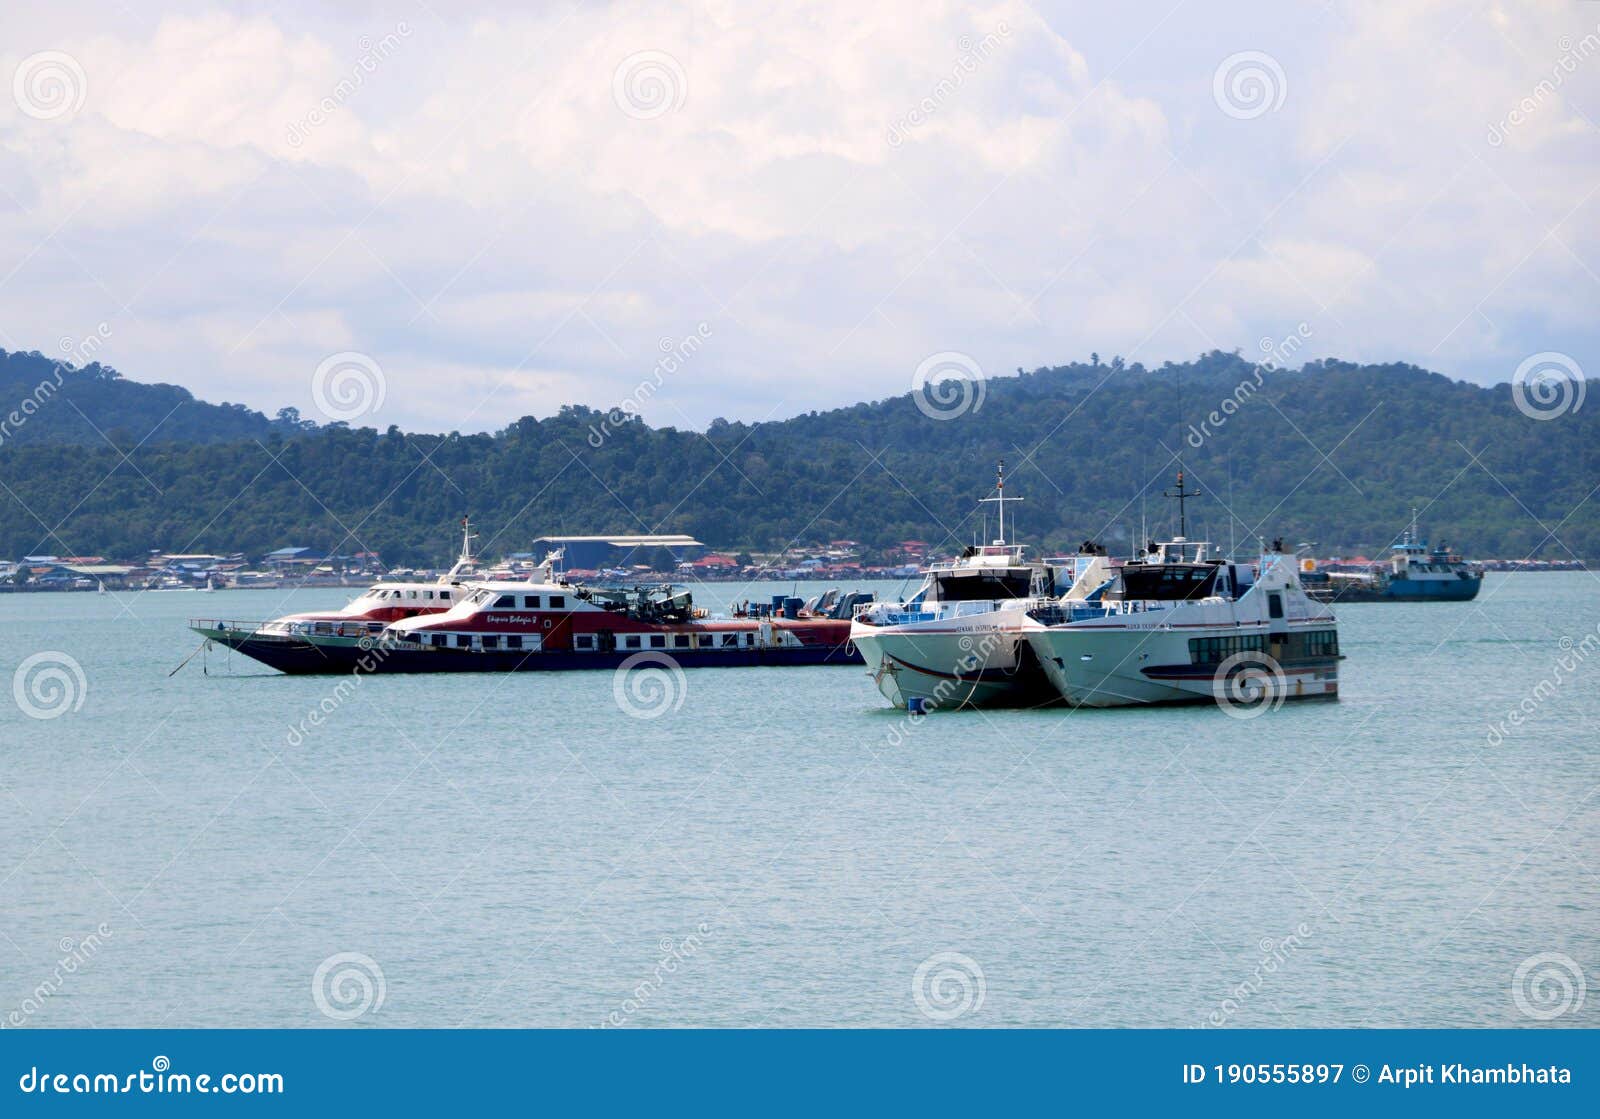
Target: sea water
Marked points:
740	847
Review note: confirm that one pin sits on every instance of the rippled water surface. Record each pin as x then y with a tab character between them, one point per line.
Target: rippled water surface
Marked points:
782	849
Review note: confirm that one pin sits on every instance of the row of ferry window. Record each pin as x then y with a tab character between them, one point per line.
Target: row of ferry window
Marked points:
1208	650
480	641
1313	643
424	596
529	602
586	642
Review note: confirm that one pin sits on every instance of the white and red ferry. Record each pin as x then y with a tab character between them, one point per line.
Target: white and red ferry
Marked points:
545	622
384	602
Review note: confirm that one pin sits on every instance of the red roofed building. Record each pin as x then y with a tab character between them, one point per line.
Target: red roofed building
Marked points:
715	560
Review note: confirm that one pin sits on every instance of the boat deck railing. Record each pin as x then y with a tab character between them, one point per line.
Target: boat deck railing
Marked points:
890	614
353	629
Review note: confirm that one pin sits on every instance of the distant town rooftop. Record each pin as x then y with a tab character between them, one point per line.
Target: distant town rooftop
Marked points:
625	541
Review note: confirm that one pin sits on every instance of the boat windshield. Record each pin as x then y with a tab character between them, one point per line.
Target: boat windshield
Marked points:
1165	582
985	586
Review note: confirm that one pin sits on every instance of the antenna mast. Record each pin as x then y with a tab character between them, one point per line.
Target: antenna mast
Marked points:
1183	495
1000	498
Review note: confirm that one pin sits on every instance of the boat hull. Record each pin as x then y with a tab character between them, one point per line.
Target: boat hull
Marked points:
1432	590
1124	668
947	669
336	656
1401	590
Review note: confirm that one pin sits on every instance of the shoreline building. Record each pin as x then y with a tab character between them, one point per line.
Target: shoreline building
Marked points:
591	553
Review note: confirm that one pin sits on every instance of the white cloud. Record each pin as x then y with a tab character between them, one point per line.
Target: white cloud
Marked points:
839	192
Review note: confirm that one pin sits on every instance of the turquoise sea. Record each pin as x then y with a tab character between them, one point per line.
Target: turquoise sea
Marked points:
231	847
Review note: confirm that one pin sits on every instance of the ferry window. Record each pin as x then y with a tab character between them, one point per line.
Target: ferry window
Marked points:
439	640
749	639
513	642
411	594
658	641
491	643
730	639
506	602
427	595
463	641
530	602
558	602
583	641
444	596
1274	606
680	641
631	642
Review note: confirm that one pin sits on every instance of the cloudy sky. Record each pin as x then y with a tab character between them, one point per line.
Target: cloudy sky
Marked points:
502	211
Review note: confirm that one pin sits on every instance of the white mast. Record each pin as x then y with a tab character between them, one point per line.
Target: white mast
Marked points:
465	561
1000	498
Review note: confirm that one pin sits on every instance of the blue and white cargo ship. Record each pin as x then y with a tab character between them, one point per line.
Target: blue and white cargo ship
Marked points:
1415	573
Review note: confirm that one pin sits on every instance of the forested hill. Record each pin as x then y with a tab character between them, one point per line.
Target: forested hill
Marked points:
94	402
1332	453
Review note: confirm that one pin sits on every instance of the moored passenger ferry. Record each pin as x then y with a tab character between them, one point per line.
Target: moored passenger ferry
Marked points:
958	641
1180	626
506	626
386	601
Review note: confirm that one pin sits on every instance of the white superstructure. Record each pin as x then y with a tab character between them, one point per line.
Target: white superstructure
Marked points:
958	641
1181	626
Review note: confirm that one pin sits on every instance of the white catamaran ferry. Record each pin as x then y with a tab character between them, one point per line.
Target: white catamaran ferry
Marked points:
1180	626
958	642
